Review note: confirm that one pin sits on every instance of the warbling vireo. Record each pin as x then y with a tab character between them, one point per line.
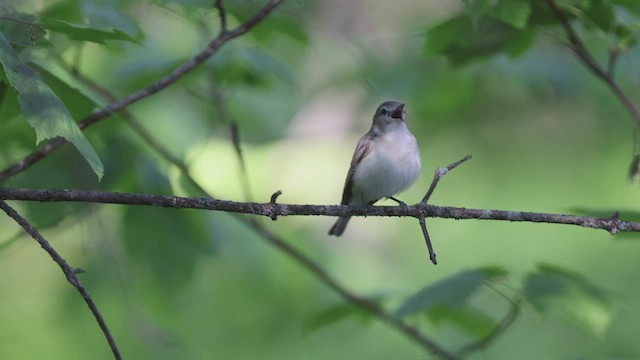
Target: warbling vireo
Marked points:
386	161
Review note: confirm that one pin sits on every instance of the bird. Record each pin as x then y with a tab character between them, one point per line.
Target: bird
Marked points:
386	161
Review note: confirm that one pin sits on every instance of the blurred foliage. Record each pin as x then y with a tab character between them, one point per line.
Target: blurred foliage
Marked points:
483	76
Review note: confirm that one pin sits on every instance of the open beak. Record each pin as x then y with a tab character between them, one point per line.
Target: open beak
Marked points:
398	113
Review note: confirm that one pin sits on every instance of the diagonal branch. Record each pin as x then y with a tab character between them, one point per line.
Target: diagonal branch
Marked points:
576	45
613	224
211	49
69	272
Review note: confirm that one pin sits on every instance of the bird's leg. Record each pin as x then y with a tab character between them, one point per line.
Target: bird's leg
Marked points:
402	204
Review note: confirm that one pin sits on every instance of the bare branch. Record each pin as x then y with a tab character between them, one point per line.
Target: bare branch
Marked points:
576	45
432	254
68	271
612	225
213	47
440	172
223	16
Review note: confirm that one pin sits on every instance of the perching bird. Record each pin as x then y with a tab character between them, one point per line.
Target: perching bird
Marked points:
386	161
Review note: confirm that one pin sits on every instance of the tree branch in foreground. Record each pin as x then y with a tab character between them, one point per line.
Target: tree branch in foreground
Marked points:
613	225
211	49
68	271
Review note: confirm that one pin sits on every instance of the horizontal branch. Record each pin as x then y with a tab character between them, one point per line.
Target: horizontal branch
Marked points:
273	210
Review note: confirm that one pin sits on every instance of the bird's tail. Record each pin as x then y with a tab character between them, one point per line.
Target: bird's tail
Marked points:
338	228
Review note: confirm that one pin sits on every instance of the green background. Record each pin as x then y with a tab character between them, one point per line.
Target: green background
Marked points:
545	135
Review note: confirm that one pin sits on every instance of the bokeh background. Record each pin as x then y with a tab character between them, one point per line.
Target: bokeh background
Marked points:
182	284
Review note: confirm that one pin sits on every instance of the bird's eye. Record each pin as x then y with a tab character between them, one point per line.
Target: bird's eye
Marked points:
384	111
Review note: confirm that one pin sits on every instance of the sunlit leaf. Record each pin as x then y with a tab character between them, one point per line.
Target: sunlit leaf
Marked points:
552	290
453	291
42	108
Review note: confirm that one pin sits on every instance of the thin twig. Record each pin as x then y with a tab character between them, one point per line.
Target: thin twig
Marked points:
612	225
213	47
440	172
427	239
223	16
576	45
69	272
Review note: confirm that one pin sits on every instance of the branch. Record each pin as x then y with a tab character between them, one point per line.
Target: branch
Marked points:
213	47
576	45
439	173
68	271
613	225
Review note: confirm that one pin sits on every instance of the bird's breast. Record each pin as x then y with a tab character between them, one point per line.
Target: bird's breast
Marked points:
392	165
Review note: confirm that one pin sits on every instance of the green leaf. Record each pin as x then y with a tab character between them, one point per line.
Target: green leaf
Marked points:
601	14
22	29
9	107
334	313
83	32
513	12
329	316
462	39
42	108
552	289
453	291
80	105
467	319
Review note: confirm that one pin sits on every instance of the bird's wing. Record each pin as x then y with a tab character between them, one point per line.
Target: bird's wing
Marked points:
363	149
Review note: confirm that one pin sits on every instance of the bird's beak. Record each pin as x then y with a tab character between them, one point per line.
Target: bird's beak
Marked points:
398	113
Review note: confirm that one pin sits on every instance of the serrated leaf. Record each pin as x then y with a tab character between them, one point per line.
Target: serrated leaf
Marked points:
42	108
553	289
513	12
453	291
82	32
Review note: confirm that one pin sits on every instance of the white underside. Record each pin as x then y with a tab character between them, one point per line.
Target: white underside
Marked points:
392	165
